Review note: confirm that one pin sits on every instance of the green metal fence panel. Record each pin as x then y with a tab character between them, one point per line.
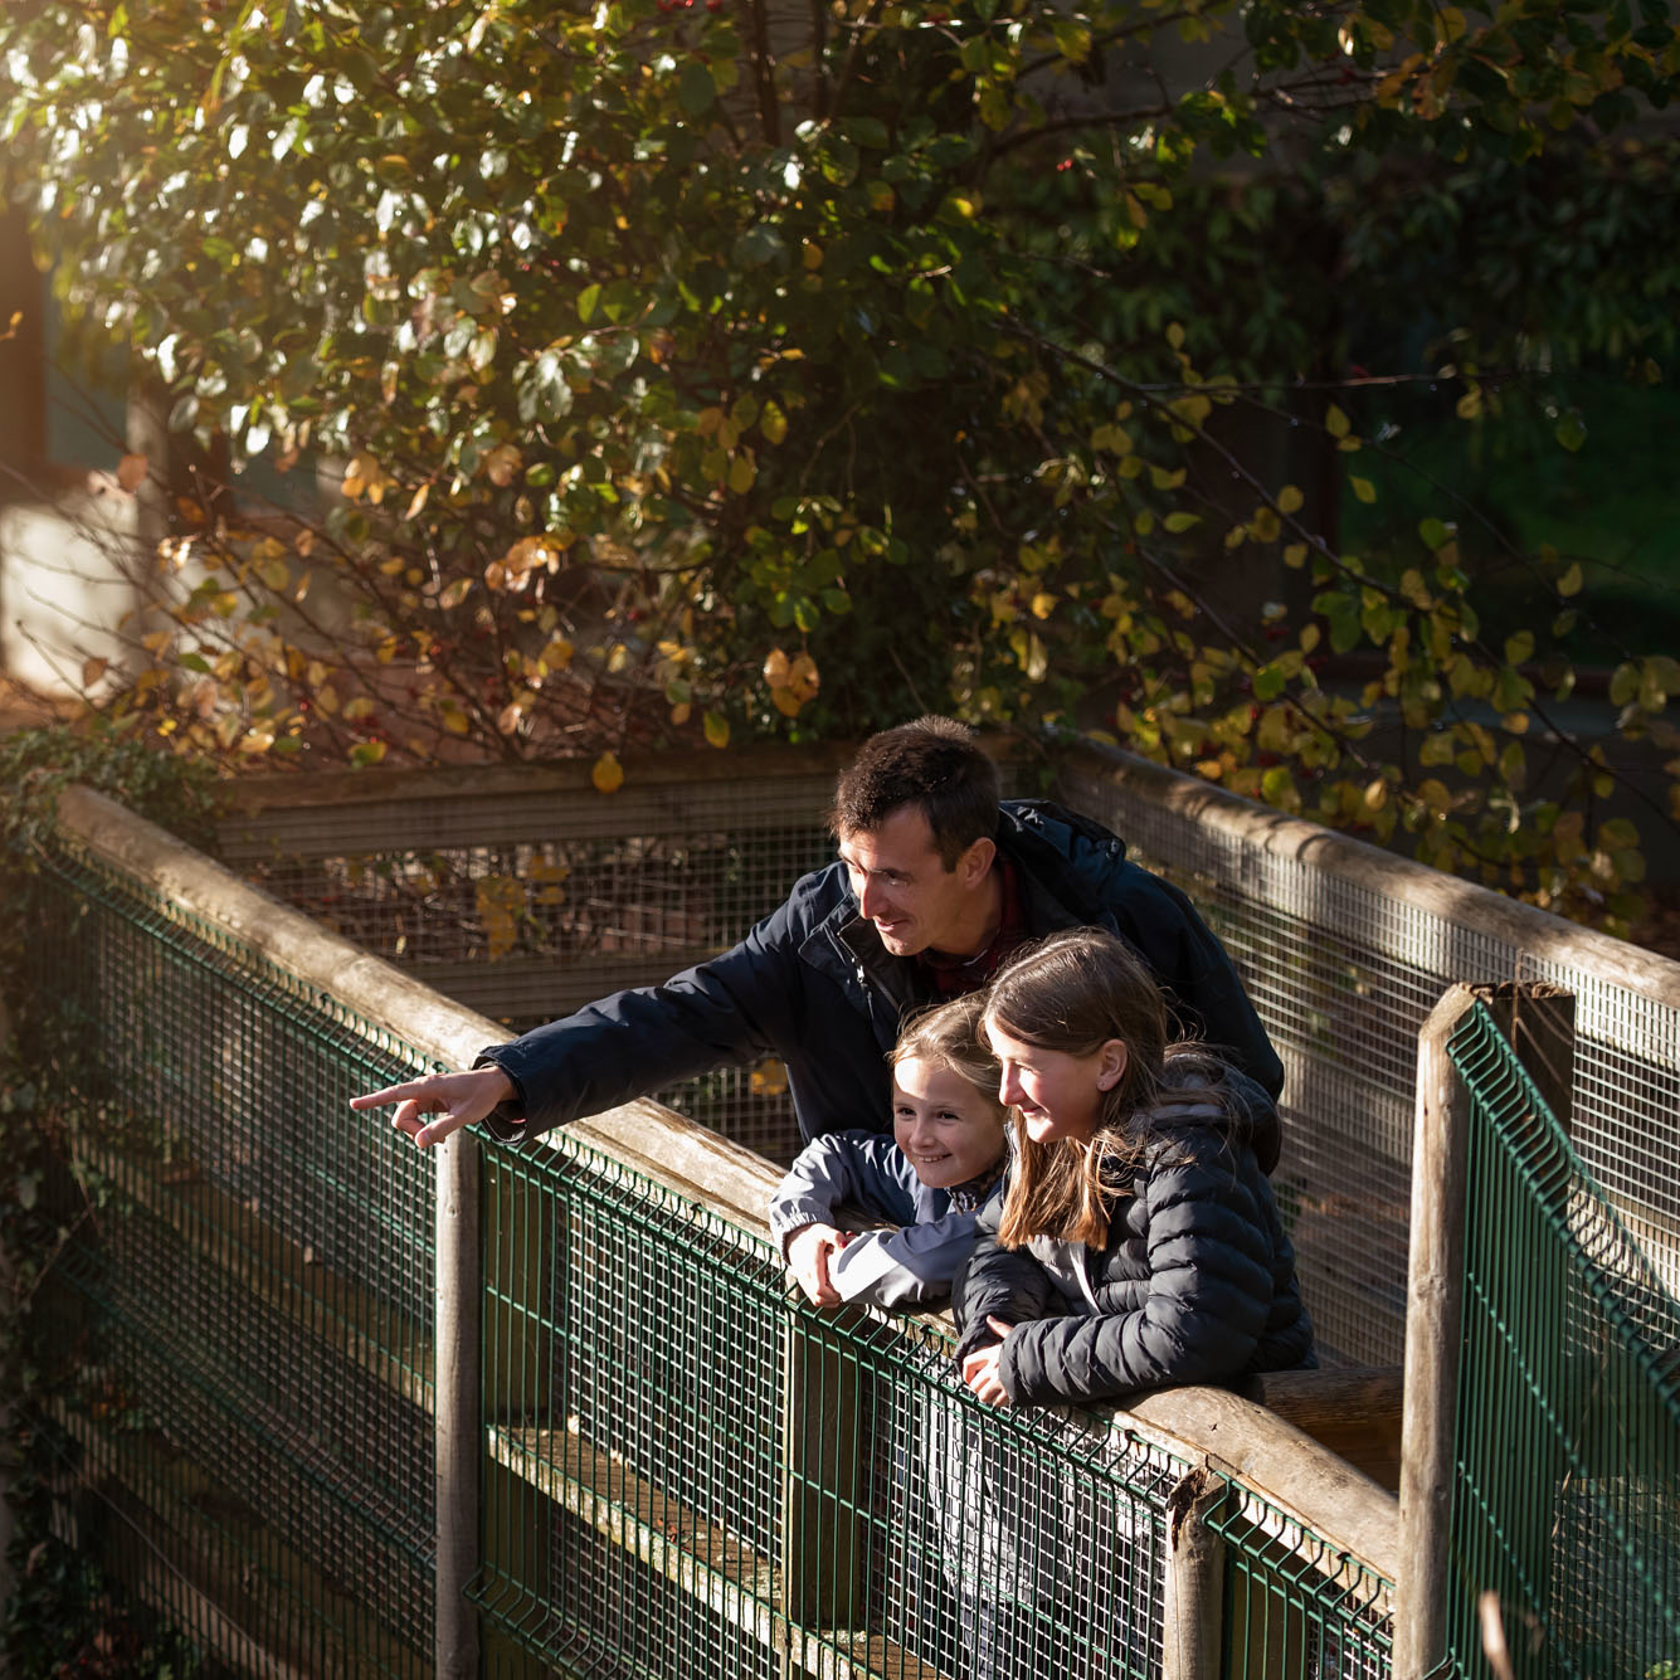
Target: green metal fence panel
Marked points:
684	1471
1568	1422
250	1389
689	1472
1344	961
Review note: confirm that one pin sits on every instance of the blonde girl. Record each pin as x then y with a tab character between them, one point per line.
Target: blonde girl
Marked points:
920	1188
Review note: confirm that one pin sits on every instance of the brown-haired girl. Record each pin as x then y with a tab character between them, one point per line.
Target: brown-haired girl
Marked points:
1137	1243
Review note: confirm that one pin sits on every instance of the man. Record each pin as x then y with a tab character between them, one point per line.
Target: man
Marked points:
935	885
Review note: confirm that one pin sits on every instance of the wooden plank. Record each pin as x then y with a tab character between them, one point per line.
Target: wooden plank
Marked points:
274	1269
161	1512
1352	1410
699	1557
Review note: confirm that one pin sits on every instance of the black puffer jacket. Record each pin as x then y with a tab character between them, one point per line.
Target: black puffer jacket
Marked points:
1197	1282
813	984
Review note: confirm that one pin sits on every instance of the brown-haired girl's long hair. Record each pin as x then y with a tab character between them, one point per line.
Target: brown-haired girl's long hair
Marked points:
949	1036
1073	992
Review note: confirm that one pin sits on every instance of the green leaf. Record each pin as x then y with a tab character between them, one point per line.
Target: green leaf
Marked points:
1571	431
696	91
1176	522
587	300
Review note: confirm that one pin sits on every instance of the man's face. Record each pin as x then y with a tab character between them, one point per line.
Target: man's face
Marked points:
903	887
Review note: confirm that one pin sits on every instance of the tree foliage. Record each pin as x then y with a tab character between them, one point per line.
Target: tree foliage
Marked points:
797	368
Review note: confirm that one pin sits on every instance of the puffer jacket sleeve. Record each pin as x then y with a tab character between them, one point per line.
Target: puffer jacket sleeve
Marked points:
1204	1305
996	1282
911	1266
862	1170
730	1010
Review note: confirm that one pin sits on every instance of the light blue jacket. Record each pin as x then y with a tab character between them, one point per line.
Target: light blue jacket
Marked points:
853	1179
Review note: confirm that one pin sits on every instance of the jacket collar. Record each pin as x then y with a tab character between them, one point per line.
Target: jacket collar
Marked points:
1035	836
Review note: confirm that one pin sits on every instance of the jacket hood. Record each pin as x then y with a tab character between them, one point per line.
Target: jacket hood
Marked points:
1250	1115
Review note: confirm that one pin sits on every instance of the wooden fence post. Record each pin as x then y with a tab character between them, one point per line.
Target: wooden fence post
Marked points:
1193	1588
459	1446
1538	1021
828	1473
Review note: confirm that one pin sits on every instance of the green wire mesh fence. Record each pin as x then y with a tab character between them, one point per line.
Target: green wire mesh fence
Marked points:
531	894
691	1474
244	1405
683	1472
1567	1503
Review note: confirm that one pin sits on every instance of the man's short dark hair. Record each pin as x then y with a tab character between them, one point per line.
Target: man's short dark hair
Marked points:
934	764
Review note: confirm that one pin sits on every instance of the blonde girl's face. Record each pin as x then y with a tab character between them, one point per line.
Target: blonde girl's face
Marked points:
949	1131
1057	1094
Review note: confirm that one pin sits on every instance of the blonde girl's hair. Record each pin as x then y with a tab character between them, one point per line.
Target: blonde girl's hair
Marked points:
1073	992
949	1036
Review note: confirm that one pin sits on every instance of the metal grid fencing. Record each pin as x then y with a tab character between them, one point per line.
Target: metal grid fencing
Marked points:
1344	967
1571	1346
692	1474
525	897
246	1403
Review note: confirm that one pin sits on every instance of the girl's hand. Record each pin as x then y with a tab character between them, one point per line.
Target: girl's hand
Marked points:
980	1369
807	1259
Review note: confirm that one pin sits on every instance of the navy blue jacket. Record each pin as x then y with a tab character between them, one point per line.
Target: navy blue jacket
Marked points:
813	984
1196	1283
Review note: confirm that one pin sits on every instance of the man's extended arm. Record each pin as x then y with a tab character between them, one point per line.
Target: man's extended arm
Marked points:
737	1007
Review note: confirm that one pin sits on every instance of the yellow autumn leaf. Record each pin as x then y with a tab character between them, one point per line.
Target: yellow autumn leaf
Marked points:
742	472
1337	423
802	680
608	774
502	465
1364	489
499	900
717	729
769	1079
1043	604
772	423
1290	499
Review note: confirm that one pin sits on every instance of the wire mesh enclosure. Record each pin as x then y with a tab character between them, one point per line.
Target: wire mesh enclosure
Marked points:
526	896
533	894
692	1474
1572	1347
1344	967
683	1472
245	1402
